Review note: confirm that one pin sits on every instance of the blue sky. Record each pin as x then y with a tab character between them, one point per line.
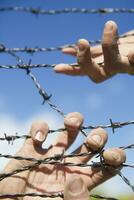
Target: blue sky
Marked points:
19	101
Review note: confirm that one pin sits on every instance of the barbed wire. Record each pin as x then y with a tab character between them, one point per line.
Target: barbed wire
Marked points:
41	91
62	156
112	125
126	180
30	66
37	11
61	195
36	49
59	158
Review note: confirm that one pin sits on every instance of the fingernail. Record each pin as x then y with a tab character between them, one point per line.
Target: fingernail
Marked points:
115	156
76	186
74	121
109	26
59	66
97	139
39	136
81	47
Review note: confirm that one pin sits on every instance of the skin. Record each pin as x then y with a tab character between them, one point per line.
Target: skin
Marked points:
56	178
117	56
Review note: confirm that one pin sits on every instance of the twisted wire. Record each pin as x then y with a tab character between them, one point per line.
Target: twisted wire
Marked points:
37	11
112	125
126	180
57	160
41	91
36	49
61	195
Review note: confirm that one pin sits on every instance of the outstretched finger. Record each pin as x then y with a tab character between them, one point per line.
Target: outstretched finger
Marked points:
70	51
69	70
95	51
88	64
110	47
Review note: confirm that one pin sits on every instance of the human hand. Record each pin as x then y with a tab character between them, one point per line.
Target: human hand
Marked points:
114	56
51	179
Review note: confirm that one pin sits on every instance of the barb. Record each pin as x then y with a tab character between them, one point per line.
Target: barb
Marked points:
37	11
12	138
61	195
57	160
41	91
56	157
36	49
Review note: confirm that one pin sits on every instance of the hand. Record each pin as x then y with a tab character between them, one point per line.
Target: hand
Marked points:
116	56
52	178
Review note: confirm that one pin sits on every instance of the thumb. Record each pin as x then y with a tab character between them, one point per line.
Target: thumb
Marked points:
75	189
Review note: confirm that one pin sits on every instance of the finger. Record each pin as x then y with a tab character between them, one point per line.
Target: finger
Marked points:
75	189
114	157
87	63
72	122
70	50
68	70
33	145
31	148
96	51
93	143
110	46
